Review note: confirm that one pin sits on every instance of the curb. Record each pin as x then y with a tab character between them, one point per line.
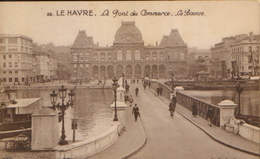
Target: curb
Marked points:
140	147
215	138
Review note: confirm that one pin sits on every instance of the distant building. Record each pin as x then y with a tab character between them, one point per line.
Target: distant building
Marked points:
45	65
129	55
15	59
246	56
226	58
62	67
195	53
53	67
198	60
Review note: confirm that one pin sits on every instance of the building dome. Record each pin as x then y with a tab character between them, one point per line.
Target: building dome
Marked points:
128	33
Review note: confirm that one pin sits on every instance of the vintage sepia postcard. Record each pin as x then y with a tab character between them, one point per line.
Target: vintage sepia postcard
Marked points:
130	80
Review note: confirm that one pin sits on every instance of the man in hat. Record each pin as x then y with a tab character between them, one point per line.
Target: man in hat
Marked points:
136	112
172	106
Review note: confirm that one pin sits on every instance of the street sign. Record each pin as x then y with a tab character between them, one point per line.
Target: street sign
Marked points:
74	124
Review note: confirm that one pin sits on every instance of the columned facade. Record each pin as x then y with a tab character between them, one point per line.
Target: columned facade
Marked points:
129	56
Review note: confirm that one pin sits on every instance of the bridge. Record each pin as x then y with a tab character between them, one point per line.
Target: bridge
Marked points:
182	137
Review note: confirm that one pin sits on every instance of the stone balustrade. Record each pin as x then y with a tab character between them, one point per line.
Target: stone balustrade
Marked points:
250	132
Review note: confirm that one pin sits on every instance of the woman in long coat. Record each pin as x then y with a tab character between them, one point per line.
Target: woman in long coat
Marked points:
172	105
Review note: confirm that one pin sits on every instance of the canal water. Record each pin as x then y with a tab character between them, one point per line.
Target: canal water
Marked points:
249	100
92	109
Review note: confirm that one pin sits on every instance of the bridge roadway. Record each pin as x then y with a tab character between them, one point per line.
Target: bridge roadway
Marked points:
176	138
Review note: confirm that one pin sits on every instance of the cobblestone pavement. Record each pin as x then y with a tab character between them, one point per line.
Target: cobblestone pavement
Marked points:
177	138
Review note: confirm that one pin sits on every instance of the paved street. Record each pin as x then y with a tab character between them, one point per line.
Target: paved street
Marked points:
176	138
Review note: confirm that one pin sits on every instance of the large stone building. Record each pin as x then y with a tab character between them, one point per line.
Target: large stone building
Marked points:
245	54
230	56
15	59
23	63
129	56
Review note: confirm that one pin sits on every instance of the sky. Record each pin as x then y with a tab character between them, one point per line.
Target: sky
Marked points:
220	19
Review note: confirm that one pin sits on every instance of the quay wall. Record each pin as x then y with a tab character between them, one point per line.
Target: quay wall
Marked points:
89	146
97	143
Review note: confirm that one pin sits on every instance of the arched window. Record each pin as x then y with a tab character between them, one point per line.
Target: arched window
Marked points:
109	56
137	55
128	55
154	56
119	55
102	56
161	56
75	58
95	56
147	56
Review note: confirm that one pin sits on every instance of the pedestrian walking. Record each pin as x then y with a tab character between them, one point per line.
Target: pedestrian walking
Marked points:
149	84
171	95
209	115
127	88
158	91
144	86
172	106
136	112
161	91
131	100
136	91
126	98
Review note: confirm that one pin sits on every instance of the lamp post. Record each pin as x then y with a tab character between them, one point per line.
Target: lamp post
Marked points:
62	94
78	67
239	90
172	84
123	80
115	85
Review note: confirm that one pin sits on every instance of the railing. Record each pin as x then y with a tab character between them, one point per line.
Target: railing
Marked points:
252	120
202	107
187	102
15	125
210	85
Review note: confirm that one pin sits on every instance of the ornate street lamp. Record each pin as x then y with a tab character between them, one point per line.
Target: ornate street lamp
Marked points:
115	86
239	90
62	94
